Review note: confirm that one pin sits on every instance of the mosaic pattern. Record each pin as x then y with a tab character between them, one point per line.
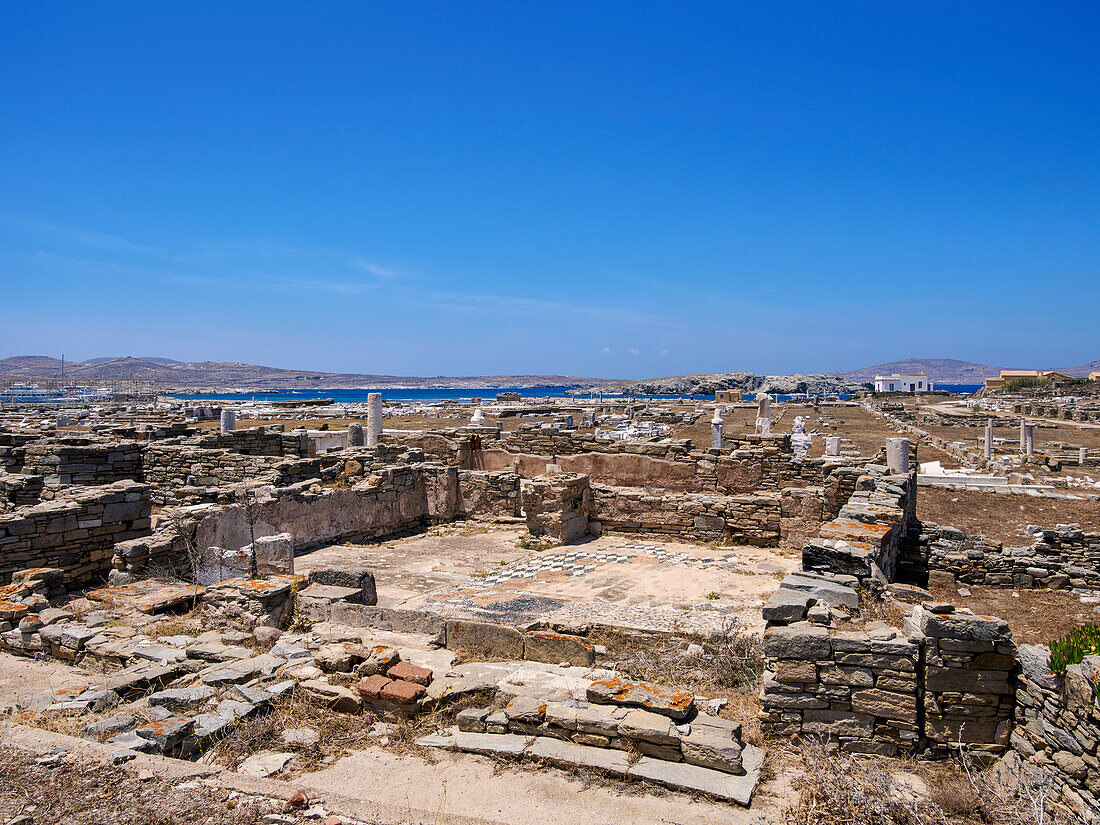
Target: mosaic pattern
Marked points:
582	561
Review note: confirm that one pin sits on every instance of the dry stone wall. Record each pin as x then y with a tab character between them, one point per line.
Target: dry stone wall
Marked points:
743	519
81	462
1064	557
943	680
1057	728
76	534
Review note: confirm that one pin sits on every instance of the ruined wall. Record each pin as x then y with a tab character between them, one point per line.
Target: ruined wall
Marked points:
870	529
944	680
393	501
1059	558
491	495
1058	728
67	462
76	534
270	441
558	505
742	519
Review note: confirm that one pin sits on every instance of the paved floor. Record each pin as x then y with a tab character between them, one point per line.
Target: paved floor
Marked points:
482	572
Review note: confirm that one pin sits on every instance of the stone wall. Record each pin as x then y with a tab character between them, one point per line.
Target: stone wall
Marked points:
1060	558
391	502
76	534
866	537
270	441
944	680
1058	728
741	519
67	462
859	689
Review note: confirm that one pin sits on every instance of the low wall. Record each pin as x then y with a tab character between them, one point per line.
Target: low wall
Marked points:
83	462
76	534
1059	558
743	519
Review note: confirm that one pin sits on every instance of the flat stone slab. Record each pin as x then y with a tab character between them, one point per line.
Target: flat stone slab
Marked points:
264	763
737	788
675	704
559	752
685	777
509	744
331	592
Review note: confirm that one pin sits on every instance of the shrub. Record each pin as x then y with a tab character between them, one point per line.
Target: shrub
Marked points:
1074	646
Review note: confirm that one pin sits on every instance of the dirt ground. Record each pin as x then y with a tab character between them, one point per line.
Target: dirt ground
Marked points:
1001	516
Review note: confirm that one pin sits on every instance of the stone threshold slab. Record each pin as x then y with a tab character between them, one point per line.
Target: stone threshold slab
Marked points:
677	775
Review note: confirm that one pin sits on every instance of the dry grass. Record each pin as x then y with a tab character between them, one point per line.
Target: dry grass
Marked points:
338	732
843	789
83	792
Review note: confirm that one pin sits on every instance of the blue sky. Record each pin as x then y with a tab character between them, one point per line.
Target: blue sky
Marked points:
605	189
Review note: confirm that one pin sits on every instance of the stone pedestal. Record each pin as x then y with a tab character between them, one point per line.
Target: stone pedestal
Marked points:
229	421
716	431
897	455
832	445
374	418
558	505
355	435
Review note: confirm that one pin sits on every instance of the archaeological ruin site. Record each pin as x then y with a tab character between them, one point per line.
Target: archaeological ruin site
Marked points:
557	610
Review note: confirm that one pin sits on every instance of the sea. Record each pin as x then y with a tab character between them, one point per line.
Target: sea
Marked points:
430	395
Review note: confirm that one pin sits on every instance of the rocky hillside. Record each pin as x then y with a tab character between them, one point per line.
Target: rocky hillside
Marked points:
707	384
218	375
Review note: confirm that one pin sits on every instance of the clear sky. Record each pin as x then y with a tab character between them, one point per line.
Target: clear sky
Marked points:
595	188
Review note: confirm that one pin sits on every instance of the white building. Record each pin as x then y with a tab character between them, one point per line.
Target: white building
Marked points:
905	382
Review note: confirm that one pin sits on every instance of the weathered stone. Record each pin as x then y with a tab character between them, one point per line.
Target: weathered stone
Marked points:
676	704
554	648
488	641
797	642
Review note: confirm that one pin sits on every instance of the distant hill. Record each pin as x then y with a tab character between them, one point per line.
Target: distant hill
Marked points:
952	371
940	370
216	375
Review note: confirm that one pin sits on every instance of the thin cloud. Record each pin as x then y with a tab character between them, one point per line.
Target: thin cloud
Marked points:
662	353
631	351
383	272
606	350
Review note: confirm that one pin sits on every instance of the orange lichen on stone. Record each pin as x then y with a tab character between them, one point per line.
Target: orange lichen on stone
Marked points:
667	701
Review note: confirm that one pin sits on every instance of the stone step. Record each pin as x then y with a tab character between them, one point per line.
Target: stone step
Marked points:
676	775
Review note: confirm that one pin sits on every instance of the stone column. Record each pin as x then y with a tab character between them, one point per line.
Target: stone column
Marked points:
1084	456
832	445
355	435
1023	435
229	421
989	439
897	455
374	418
1029	445
716	431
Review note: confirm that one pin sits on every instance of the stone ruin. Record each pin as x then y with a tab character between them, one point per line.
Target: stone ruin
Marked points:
91	516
